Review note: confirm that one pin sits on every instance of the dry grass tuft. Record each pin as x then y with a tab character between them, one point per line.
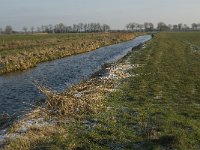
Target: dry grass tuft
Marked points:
86	97
83	98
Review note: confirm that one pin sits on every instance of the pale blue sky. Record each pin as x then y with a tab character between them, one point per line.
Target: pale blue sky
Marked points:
116	13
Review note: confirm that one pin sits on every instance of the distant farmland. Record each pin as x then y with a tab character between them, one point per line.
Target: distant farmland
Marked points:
20	52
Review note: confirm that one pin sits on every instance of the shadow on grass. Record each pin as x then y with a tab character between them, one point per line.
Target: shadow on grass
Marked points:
165	142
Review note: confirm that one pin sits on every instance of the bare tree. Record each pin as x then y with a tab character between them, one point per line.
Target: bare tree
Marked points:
80	27
148	26
1	30
51	28
162	26
198	26
137	26
98	27
151	26
42	28
92	27
85	27
32	29
194	26
185	27
170	26
175	27
132	26
140	26
180	26
69	29
46	29
128	26
75	28
38	29
105	27
25	29
8	29
60	28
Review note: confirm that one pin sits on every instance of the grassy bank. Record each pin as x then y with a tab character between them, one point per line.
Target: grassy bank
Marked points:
155	106
20	52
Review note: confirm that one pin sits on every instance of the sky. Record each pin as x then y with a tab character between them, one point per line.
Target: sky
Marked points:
116	13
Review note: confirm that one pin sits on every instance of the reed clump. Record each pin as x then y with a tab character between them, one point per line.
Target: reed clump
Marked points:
83	98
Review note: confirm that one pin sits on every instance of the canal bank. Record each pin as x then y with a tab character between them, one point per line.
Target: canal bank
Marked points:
68	107
18	91
99	83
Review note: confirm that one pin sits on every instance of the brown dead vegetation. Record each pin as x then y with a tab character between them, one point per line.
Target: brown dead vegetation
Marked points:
23	54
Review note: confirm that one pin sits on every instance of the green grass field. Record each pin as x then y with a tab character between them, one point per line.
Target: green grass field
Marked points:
162	103
158	108
20	52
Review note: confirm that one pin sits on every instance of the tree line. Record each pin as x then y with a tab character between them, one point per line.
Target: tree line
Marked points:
161	26
97	27
61	28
